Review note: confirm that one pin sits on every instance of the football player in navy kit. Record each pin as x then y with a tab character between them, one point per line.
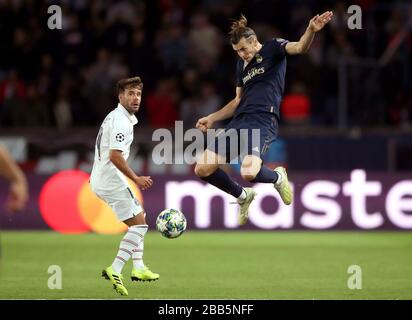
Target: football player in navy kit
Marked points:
260	83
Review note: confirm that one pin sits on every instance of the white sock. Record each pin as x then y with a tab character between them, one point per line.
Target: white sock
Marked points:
137	253
279	180
242	195
137	256
129	243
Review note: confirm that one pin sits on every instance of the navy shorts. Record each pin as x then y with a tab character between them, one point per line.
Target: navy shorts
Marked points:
254	131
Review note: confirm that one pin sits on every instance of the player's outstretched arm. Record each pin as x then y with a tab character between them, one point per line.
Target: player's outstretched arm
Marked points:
316	24
18	184
116	157
226	112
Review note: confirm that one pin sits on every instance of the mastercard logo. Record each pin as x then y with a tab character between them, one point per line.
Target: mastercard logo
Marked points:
68	205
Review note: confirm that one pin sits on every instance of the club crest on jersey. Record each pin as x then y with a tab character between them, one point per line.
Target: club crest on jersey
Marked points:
120	137
259	58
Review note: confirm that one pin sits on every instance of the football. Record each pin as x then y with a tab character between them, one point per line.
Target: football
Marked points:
171	223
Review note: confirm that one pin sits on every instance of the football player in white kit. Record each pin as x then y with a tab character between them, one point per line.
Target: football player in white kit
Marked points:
108	181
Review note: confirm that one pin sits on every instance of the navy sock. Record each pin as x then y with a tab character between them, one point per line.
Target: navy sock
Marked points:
221	180
266	175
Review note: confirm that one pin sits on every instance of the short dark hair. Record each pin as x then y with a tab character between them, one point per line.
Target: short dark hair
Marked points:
239	30
129	83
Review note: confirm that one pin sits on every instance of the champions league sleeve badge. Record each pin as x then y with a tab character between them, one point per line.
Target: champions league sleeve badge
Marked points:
120	137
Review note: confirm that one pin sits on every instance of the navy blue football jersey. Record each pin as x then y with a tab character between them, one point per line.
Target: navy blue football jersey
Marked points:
263	79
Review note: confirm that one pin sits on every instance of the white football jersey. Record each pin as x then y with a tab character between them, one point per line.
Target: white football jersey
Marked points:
116	133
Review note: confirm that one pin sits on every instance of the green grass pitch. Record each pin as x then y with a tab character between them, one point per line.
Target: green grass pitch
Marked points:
213	265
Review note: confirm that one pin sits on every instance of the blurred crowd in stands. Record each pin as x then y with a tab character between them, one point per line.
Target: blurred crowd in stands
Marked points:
66	78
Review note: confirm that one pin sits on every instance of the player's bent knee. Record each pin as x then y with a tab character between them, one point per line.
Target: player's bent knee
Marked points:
249	173
202	170
198	170
248	176
250	168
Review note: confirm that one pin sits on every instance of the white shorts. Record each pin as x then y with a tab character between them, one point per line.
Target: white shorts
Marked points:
123	203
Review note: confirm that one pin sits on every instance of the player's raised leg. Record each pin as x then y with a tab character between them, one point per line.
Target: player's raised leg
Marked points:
252	170
282	185
208	170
